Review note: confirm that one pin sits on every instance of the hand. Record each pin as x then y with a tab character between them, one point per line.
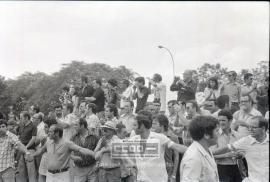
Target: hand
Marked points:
98	155
29	157
75	158
172	179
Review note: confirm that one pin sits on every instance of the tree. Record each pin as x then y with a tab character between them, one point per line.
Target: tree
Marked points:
44	90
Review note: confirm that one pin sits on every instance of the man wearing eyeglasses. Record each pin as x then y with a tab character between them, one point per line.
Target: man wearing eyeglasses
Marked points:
255	148
241	117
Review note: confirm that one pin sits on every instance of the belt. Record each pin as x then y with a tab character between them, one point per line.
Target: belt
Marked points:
58	170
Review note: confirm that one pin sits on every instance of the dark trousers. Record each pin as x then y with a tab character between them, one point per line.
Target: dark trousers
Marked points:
229	173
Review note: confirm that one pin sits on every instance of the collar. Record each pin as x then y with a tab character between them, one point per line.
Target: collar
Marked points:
232	133
253	141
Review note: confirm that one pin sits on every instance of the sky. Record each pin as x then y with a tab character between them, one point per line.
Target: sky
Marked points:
40	36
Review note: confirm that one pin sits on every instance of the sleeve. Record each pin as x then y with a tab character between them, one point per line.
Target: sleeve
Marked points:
175	87
191	170
241	144
13	138
72	146
164	140
34	131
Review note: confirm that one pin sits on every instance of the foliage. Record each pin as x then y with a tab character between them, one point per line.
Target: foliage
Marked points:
44	90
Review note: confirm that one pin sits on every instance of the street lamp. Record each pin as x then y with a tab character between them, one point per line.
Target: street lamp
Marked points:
162	47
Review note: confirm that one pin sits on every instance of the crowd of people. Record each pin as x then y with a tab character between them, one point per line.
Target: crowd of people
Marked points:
222	136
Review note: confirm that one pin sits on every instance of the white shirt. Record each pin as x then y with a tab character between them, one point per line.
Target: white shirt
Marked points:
153	169
257	156
71	120
40	130
160	93
92	121
128	96
242	116
128	121
198	165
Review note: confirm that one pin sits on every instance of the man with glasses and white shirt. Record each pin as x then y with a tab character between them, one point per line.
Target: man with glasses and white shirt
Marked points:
241	117
256	149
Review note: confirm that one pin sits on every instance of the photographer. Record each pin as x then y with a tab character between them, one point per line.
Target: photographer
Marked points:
186	88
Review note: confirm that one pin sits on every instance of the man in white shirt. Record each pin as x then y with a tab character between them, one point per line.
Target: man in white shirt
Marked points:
128	118
256	149
241	117
249	89
159	91
152	169
198	163
92	119
127	93
68	123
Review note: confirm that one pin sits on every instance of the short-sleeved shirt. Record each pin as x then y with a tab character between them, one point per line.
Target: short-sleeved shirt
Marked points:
242	116
257	156
59	154
7	150
160	94
100	99
223	141
233	90
153	169
128	121
26	132
141	96
71	120
246	88
127	96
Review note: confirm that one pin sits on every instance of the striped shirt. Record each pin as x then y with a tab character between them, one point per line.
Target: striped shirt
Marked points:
7	149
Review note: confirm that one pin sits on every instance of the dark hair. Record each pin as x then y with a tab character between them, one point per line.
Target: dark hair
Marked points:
84	79
70	107
247	76
140	80
92	106
65	88
173	102
58	106
226	113
36	109
233	73
143	119
83	122
163	121
262	122
222	101
119	127
113	82
58	130
50	121
194	104
98	81
2	121
157	77
25	114
1	115
113	109
214	79
126	82
202	125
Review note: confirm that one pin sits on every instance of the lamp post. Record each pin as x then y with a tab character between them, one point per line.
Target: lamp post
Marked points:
162	47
